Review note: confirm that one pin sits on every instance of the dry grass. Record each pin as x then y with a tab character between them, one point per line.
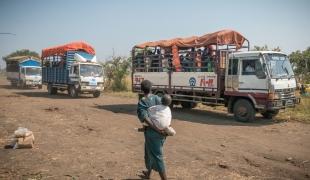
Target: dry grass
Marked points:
300	113
126	94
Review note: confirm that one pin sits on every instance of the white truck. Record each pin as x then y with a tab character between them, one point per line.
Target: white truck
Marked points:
72	67
24	71
212	70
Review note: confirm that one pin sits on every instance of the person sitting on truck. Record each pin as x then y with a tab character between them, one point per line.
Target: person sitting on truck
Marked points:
198	60
249	68
186	63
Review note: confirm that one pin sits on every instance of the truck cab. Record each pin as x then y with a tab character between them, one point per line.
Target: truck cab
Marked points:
259	81
31	76
87	77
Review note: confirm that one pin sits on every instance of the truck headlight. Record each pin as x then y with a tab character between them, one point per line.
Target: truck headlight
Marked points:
273	95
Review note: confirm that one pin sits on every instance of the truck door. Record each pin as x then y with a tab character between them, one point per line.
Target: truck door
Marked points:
250	79
74	73
232	78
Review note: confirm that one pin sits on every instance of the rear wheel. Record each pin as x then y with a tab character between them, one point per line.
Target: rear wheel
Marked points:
96	94
40	86
73	91
188	105
14	84
244	111
51	90
270	114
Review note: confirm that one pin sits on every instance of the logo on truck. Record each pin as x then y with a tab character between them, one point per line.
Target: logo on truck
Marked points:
192	81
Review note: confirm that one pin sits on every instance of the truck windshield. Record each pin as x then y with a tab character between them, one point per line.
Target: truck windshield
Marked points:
90	70
31	71
279	66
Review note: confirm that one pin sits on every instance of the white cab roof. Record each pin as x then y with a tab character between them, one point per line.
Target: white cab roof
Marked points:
252	53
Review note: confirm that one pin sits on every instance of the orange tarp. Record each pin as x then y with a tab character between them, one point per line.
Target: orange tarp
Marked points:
61	50
223	37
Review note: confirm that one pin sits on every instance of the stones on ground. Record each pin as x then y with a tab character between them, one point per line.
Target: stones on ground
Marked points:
51	109
290	159
223	165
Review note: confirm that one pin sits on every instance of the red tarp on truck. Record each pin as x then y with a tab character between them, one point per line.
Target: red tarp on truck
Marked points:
61	50
223	37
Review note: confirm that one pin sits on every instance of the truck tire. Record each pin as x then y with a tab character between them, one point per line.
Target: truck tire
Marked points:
188	105
96	94
40	87
244	111
51	90
73	91
14	84
270	114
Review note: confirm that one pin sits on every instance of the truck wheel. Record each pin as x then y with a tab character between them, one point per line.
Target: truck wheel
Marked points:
188	105
14	84
73	91
40	86
270	114
244	111
51	90
96	94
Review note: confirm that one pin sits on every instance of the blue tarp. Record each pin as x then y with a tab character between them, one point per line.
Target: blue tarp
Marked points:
30	62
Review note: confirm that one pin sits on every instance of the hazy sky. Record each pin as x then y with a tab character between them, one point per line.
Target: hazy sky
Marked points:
120	24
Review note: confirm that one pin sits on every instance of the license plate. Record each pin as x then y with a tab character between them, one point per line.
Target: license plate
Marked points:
289	102
93	82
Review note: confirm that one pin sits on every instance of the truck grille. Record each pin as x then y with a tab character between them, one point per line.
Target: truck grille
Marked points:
286	93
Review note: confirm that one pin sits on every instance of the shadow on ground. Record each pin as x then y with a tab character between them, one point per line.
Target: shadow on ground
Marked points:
17	88
60	95
191	115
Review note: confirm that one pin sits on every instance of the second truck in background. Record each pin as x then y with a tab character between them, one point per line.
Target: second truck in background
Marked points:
72	67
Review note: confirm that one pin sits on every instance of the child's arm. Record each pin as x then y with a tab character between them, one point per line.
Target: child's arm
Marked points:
148	121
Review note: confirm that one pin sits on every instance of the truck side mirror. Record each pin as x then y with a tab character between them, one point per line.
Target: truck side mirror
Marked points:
260	74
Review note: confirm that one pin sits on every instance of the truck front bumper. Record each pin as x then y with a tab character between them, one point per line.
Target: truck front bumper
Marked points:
91	88
33	83
282	103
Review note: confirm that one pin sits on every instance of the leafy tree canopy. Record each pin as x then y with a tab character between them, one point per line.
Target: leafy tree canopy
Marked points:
23	52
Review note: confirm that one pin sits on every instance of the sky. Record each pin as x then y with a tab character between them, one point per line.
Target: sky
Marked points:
115	26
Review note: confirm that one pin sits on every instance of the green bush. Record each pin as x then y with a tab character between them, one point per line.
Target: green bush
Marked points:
116	71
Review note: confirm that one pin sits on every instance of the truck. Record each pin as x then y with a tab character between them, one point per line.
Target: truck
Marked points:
24	71
217	69
72	67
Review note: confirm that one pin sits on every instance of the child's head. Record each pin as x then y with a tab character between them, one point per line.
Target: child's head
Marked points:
166	100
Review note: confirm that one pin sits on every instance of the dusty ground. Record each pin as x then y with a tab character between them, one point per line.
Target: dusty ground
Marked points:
90	138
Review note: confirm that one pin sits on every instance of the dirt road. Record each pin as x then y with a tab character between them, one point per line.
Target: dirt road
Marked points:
95	138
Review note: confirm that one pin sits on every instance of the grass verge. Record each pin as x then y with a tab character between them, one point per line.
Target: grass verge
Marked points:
300	113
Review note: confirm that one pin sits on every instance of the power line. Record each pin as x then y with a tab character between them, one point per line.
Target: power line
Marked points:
5	33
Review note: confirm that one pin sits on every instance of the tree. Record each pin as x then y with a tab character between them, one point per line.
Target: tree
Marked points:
23	52
301	64
116	71
265	48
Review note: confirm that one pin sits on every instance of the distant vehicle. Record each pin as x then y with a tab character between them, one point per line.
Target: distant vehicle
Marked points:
212	70
24	71
72	67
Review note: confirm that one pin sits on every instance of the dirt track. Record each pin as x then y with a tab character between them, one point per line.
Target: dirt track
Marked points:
90	138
